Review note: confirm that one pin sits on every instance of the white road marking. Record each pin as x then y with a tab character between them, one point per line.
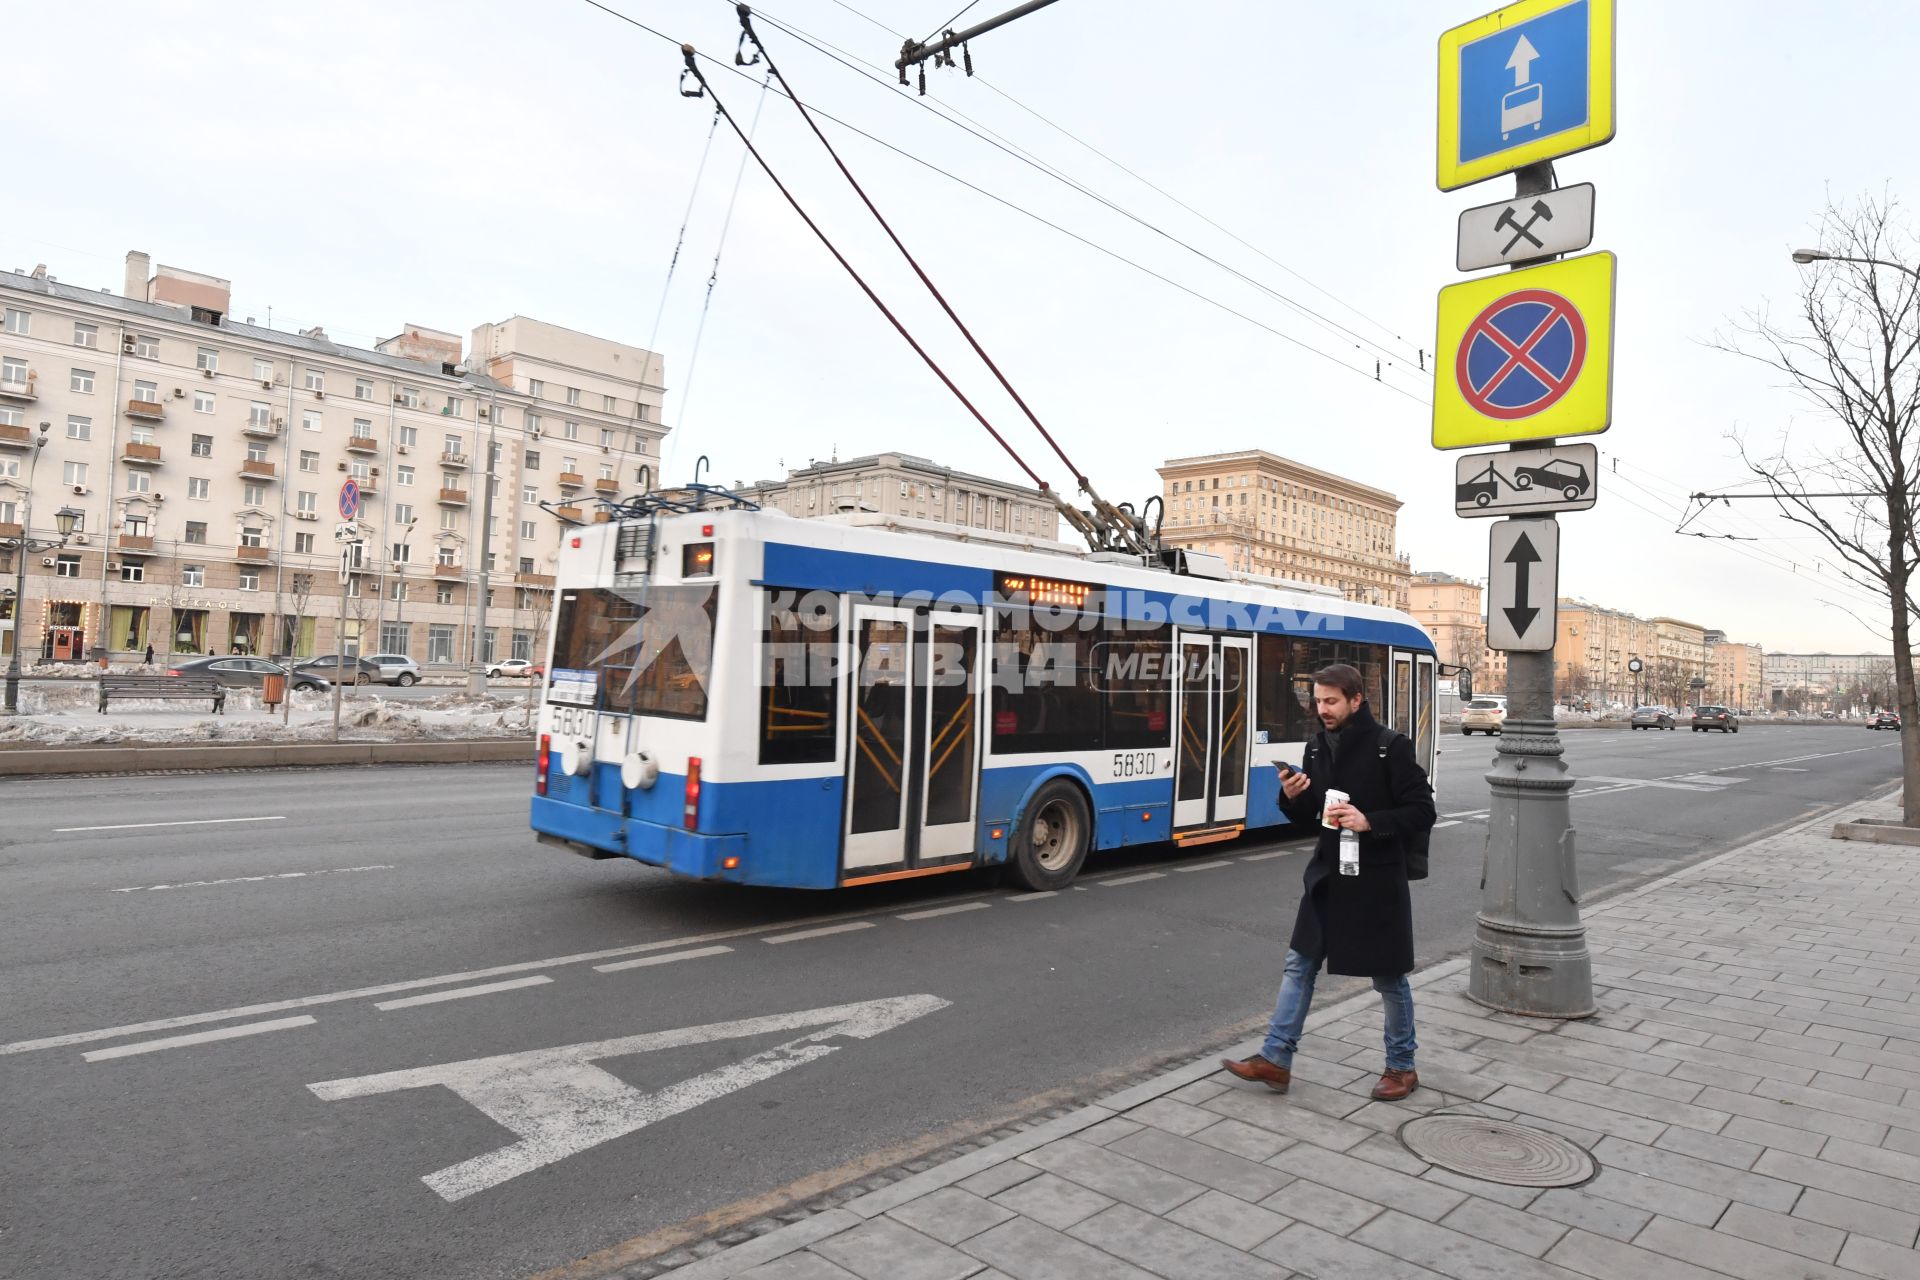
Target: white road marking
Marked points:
1150	875
696	954
559	1104
1262	857
197	1037
1031	897
1784	769
1450	822
804	934
1468	814
931	912
1204	866
277	875
190	822
461	993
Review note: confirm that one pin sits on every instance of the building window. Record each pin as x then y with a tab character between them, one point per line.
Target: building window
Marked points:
310	420
309	460
316	380
445	556
193	575
19	322
251	536
209	359
359	470
529	493
443	593
410	397
363	388
606	471
450	445
400	552
403	434
456	407
303	544
81	380
535	387
403	513
79	428
399	589
309	502
249	579
203	402
259	414
569	466
403	474
571	430
86	335
139	481
197	532
573	395
65	566
133	571
253	495
13	369
528	532
449	519
394	636
74	473
530	461
606	437
256	451
440	641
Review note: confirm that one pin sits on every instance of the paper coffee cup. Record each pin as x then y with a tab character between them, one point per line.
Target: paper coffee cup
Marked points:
1333	798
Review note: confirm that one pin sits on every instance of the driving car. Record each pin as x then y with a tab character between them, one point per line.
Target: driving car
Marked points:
248	673
358	670
1487	713
1884	720
1650	718
516	667
396	668
1720	718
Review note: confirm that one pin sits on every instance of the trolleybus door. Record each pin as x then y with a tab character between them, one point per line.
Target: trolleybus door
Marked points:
913	770
1210	770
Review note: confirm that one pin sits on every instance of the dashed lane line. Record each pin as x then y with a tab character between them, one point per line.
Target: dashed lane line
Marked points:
931	912
1034	897
1205	866
189	822
463	993
276	875
1262	857
698	953
1145	875
805	934
197	1037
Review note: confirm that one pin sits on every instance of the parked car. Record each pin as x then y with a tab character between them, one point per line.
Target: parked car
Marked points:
516	667
396	668
1720	718
1884	720
248	673
358	670
1487	713
1650	718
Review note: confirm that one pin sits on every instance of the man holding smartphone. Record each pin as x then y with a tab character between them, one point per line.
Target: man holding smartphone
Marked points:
1359	925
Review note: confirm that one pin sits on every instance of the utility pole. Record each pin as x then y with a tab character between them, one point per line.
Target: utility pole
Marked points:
477	672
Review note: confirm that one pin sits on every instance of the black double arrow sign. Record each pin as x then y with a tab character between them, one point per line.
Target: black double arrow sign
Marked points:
1522	557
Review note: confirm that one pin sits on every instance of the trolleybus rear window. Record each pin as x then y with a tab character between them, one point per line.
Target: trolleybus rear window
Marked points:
651	647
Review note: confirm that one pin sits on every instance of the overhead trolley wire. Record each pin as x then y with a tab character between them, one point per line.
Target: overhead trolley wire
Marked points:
681	239
693	68
746	25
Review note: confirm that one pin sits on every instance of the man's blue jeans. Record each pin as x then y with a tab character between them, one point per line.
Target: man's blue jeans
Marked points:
1296	997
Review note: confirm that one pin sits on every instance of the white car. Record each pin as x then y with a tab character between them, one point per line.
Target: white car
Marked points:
518	667
1487	713
396	668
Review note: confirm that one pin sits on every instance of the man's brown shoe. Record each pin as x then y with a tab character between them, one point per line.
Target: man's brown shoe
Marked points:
1259	1069
1395	1085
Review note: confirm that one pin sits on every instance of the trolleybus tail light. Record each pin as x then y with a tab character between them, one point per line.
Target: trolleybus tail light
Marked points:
730	864
691	816
540	768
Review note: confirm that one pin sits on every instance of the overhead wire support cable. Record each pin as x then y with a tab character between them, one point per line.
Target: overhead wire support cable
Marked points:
688	52
680	240
1127	532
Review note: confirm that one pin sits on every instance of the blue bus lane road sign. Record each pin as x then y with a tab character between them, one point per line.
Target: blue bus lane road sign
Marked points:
1523	84
1526	355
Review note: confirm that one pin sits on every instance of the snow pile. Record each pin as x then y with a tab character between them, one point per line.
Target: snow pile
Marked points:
54	715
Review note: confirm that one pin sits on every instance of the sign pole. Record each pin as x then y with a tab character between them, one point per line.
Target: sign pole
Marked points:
1529	944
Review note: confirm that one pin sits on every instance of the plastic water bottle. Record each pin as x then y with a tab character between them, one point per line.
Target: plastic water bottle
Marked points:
1349	852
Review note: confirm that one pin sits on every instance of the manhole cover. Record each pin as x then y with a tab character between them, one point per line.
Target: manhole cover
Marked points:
1498	1151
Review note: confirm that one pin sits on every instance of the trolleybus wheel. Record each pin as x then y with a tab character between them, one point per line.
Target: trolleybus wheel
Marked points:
1052	838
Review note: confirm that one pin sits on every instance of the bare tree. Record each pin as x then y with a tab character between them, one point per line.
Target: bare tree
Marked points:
1853	353
299	592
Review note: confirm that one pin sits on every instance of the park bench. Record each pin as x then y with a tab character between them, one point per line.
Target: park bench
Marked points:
172	687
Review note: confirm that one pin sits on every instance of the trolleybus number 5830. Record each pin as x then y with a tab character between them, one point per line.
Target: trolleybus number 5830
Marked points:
1135	764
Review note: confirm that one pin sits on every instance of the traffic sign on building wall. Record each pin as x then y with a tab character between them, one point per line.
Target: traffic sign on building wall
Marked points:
1522	84
1525	356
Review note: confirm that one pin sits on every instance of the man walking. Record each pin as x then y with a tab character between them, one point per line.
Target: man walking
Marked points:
1359	925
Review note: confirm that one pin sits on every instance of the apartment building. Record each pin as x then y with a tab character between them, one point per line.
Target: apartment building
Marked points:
1684	646
205	456
1829	681
1736	673
1593	648
1454	614
1270	515
904	484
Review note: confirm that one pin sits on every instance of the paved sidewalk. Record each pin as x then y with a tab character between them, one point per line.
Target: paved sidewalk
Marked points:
1750	1090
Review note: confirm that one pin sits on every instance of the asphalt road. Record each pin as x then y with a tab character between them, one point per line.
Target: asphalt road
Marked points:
144	1140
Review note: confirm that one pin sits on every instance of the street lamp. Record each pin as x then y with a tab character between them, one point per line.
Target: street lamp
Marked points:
1806	256
23	546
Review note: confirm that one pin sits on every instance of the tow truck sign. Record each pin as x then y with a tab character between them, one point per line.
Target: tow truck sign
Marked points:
1526	481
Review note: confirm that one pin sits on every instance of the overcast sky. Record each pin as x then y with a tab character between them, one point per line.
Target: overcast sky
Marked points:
363	165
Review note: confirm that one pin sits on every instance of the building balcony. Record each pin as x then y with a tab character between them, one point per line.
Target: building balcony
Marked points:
369	485
22	391
568	513
606	486
10	530
256	469
252	555
456	461
452	571
453	497
134	544
266	428
150	410
142	455
533	580
571	480
15	438
362	444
